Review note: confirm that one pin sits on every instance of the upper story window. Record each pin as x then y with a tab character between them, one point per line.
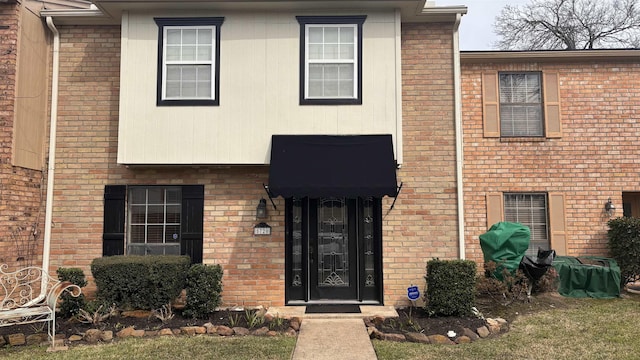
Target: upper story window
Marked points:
331	60
521	104
188	61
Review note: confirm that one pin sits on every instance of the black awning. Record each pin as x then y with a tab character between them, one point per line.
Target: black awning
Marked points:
332	166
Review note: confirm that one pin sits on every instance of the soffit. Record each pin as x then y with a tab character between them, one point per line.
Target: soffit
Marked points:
110	11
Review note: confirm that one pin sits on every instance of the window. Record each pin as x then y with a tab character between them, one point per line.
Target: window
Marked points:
521	104
529	210
330	60
157	219
188	61
517	105
154	220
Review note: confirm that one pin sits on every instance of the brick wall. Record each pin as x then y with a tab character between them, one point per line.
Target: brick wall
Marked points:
423	223
86	162
21	190
596	158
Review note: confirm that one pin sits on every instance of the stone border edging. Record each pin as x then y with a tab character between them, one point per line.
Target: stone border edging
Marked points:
491	327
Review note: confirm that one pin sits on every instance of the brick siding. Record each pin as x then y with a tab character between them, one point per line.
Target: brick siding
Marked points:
21	189
596	158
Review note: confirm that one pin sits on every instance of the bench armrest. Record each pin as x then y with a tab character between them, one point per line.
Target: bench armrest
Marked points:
59	288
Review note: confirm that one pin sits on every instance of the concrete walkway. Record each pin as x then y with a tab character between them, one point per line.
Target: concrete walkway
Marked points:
331	339
333	336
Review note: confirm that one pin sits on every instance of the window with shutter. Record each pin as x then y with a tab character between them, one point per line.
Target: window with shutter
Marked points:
521	104
159	220
531	210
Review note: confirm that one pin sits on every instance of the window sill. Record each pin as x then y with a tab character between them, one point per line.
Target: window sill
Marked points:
523	139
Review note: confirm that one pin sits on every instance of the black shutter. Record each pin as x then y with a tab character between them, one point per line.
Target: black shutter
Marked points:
192	222
114	219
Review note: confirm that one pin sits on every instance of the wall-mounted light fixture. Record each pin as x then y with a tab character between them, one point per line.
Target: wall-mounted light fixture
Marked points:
609	208
261	209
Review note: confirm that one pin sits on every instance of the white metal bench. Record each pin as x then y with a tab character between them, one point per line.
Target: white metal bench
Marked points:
30	295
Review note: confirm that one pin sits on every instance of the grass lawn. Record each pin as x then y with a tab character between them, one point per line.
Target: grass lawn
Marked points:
593	329
183	347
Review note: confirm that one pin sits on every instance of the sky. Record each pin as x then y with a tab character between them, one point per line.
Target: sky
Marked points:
476	27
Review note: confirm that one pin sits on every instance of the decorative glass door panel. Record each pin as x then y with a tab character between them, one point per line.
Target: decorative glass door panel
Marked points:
333	243
333	249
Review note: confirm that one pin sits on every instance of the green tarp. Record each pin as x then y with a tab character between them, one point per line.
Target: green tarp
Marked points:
505	244
588	276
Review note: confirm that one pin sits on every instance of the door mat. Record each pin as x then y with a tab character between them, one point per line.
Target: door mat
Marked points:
332	309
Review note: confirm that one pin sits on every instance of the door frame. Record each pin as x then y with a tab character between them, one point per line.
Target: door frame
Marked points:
301	224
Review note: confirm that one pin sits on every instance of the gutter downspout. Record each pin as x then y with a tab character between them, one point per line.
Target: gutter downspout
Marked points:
52	144
458	128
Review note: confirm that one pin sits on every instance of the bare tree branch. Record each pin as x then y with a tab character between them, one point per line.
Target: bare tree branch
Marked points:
569	24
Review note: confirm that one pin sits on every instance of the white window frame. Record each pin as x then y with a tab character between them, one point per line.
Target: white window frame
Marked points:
158	245
211	62
308	62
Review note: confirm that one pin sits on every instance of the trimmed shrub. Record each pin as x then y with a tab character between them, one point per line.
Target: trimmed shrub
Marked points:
140	282
624	247
451	287
70	306
204	286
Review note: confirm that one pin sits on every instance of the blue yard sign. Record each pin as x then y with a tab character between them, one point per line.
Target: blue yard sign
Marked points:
413	293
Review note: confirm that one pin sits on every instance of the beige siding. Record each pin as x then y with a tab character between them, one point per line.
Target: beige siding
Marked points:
259	82
31	89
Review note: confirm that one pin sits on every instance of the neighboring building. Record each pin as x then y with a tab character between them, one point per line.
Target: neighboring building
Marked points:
172	115
550	137
24	68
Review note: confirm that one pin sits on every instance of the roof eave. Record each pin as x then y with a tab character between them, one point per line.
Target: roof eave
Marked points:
472	57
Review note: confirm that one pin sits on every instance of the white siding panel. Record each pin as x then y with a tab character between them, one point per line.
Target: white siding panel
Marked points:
259	93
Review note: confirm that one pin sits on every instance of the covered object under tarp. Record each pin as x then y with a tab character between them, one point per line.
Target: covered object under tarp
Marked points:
588	276
505	244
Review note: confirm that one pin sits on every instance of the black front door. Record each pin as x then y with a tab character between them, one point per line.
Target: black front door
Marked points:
333	250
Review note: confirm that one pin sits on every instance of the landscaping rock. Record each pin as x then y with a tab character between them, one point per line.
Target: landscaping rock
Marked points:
193	330
261	331
440	339
272	333
16	339
165	332
106	335
3	342
294	323
378	320
36	339
291	332
240	331
470	334
224	331
176	331
394	337
126	332
503	323
92	336
137	333
368	322
483	332
417	338
75	337
138	314
211	329
151	333
493	326
463	340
